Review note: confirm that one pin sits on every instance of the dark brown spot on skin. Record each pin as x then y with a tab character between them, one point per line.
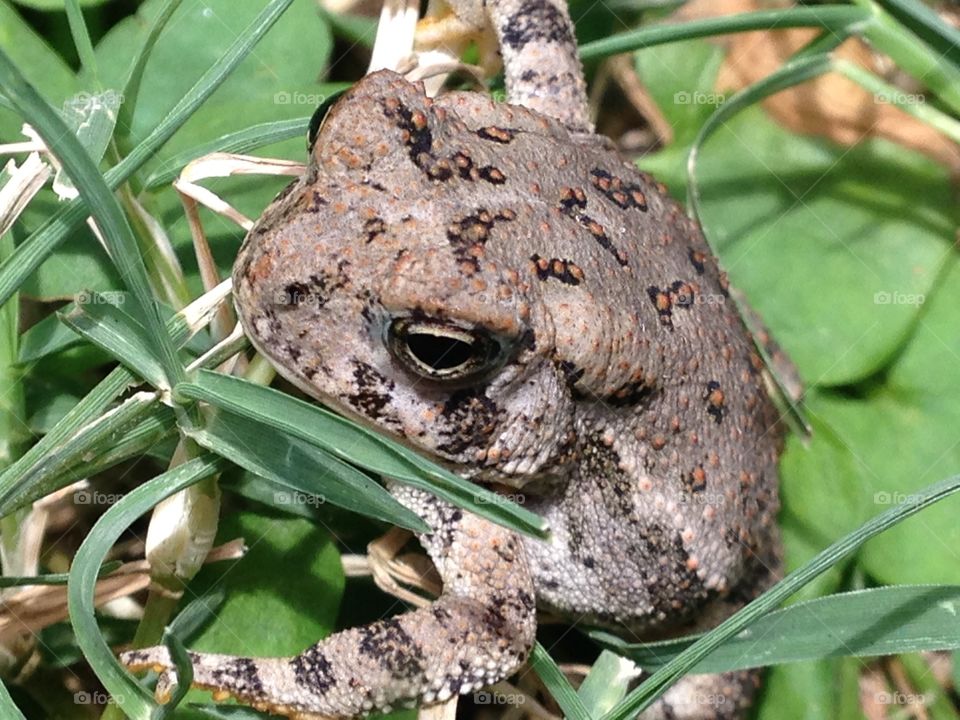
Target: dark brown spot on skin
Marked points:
393	648
572	203
313	670
715	401
566	271
416	131
294	294
496	134
624	195
682	294
536	20
374	227
663	304
698	260
492	175
471	418
631	394
570	372
468	235
373	390
696	481
465	166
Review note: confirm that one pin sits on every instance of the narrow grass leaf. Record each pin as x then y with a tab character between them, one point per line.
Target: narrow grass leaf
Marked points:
132	698
607	682
836	18
81	37
29	254
20	483
242	141
50	578
47	474
682	664
886	34
198	613
7	708
131	88
225	712
107	326
557	684
47	337
157	425
892	94
354	444
301	469
930	27
15	490
878	621
799	69
104	207
184	670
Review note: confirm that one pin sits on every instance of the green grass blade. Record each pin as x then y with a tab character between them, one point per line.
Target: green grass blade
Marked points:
911	54
793	72
51	578
48	473
157	425
104	207
131	88
47	337
607	682
799	69
558	685
835	18
184	669
81	38
7	709
242	141
864	623
355	444
107	326
14	492
198	613
302	469
29	255
657	684
926	112
926	24
134	700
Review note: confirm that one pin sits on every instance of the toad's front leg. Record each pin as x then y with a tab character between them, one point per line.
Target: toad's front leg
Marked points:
479	631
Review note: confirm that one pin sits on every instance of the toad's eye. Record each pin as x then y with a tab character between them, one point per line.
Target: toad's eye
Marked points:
442	352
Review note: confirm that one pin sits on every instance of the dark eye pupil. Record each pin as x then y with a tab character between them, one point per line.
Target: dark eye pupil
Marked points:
440	353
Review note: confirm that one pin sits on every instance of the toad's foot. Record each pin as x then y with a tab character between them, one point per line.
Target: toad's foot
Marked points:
478	632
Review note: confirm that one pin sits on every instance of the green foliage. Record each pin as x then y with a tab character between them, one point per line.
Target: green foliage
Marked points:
847	253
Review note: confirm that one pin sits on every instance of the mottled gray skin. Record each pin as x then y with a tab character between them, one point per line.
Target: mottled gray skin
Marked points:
613	385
